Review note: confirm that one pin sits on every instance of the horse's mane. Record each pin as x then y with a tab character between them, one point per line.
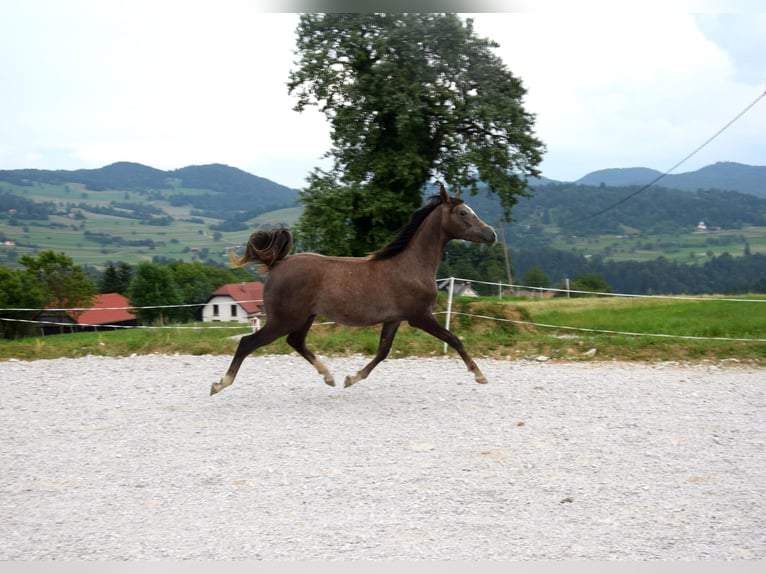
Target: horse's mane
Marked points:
406	233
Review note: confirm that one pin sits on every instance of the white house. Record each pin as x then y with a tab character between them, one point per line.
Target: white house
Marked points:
459	289
242	302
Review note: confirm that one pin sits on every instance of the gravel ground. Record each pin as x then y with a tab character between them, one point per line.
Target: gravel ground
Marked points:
129	458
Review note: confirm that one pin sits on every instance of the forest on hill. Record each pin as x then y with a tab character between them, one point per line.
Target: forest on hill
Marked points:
577	209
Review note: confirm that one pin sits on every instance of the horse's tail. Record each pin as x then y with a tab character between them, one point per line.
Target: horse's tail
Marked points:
265	247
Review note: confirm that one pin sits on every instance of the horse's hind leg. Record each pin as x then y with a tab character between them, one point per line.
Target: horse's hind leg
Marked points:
247	345
431	326
297	340
387	334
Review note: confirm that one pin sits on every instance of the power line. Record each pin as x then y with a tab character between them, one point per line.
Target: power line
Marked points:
662	175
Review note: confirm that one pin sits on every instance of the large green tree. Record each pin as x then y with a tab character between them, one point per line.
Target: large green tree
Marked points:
115	279
18	290
410	98
62	283
155	294
476	262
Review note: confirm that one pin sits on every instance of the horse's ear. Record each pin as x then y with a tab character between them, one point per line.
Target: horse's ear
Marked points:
457	193
443	194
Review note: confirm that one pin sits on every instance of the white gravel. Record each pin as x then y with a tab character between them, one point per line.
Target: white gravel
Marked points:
129	458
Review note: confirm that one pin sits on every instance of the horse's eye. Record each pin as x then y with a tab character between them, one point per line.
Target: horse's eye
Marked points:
463	213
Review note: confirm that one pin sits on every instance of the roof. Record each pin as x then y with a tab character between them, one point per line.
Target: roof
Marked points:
248	294
106	310
458	289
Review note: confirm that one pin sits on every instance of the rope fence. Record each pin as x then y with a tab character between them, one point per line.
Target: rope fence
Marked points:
525	289
449	313
600	331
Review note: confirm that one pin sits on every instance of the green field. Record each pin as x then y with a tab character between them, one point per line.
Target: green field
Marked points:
508	333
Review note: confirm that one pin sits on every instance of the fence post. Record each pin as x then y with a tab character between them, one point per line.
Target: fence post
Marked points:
449	308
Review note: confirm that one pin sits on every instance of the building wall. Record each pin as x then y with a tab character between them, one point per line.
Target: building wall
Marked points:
223	308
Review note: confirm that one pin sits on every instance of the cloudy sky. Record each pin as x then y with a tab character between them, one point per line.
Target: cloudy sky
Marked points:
171	83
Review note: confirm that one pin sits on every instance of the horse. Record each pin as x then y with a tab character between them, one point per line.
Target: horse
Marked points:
394	284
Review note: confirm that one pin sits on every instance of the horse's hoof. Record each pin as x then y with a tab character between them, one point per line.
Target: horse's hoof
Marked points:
215	388
349	381
481	379
329	381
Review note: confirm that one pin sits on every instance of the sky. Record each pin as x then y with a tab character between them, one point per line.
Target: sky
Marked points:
172	83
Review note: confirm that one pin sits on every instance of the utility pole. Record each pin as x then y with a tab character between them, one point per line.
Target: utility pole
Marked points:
505	251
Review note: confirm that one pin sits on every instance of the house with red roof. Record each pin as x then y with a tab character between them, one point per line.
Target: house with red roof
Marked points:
109	311
241	302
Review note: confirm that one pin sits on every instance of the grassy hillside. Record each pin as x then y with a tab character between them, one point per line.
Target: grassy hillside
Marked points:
110	215
94	238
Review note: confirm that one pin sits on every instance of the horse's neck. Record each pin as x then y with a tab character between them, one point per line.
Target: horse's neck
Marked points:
424	253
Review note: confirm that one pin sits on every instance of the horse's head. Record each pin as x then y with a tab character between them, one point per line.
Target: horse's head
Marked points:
460	221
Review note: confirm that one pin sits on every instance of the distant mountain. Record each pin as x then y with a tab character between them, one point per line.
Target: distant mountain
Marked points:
135	176
226	179
724	175
121	175
618	177
727	176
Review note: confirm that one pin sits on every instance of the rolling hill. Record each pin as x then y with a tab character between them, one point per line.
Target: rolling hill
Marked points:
129	212
251	189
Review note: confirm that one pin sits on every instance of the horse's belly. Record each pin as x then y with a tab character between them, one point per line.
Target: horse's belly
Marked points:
358	311
348	316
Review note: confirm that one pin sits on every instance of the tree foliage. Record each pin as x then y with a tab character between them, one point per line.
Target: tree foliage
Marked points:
536	277
197	281
18	290
477	262
61	282
153	286
410	98
185	285
543	267
589	282
115	279
721	274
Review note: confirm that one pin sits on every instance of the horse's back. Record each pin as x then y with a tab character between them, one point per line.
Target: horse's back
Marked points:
310	275
348	290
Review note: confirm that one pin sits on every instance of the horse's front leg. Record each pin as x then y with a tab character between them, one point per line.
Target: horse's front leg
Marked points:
387	334
431	326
